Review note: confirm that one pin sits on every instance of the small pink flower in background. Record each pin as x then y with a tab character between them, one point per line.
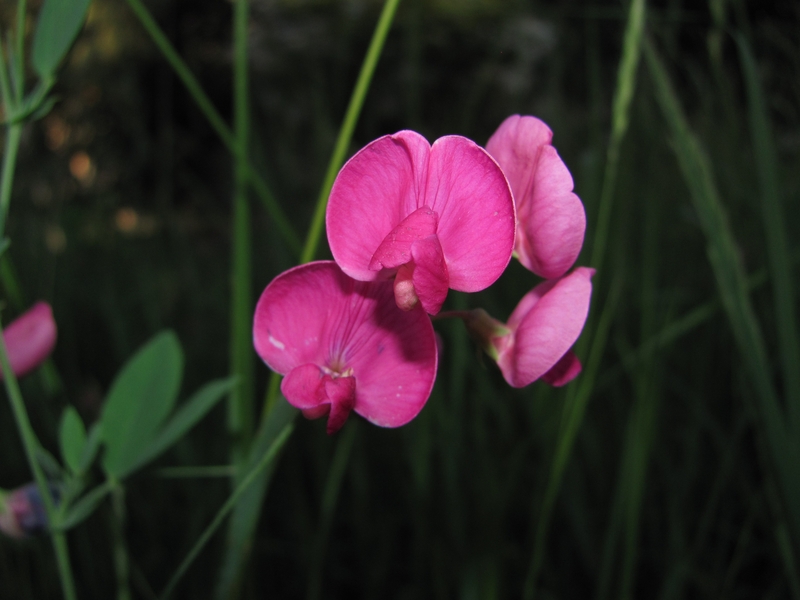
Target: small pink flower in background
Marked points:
429	217
30	338
22	511
550	218
344	345
536	341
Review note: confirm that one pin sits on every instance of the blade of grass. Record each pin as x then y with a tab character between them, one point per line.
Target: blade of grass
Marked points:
243	487
575	406
241	399
282	224
777	245
783	451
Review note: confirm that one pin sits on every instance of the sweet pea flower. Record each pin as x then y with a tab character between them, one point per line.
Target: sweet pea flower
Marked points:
344	345
536	341
550	218
30	338
428	217
22	511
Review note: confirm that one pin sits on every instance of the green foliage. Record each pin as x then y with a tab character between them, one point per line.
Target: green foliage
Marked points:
57	27
140	399
72	437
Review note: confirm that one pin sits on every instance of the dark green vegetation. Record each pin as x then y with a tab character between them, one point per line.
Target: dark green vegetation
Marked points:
669	469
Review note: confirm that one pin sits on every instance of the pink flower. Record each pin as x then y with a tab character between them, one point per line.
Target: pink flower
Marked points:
344	345
430	217
30	338
550	219
536	341
22	511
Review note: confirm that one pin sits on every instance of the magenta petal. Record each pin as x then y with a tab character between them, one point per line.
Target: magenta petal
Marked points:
30	338
545	325
342	394
302	387
430	277
477	221
395	249
316	314
551	219
515	146
375	190
553	222
565	370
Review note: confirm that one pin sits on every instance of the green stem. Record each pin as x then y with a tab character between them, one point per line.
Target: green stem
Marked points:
121	563
348	125
13	135
19	62
282	224
240	403
269	455
31	445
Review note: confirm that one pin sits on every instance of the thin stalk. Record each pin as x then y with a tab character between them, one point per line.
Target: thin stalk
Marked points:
121	562
13	136
226	508
5	87
31	444
19	58
348	125
240	402
330	497
623	95
282	223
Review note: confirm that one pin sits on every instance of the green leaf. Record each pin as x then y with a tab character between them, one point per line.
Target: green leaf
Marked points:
72	438
185	418
91	447
141	397
83	508
57	27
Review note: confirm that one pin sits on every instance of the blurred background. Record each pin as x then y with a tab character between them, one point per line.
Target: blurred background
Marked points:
655	474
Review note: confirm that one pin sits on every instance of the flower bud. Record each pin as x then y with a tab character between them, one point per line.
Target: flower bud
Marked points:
22	511
30	338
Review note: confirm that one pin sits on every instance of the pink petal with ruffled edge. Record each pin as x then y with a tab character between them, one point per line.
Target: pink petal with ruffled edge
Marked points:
544	326
390	194
315	314
551	219
30	338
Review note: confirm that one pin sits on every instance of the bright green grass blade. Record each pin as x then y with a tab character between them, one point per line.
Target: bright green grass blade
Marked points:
783	450
348	126
774	224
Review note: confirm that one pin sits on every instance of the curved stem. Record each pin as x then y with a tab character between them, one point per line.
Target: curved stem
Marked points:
31	445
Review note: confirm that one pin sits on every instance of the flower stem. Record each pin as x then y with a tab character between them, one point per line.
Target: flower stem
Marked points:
121	563
31	445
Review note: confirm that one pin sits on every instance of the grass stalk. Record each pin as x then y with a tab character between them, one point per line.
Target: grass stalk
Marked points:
230	503
780	266
282	224
783	449
575	406
240	402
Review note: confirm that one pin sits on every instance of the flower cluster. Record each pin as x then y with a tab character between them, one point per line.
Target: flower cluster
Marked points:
406	222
